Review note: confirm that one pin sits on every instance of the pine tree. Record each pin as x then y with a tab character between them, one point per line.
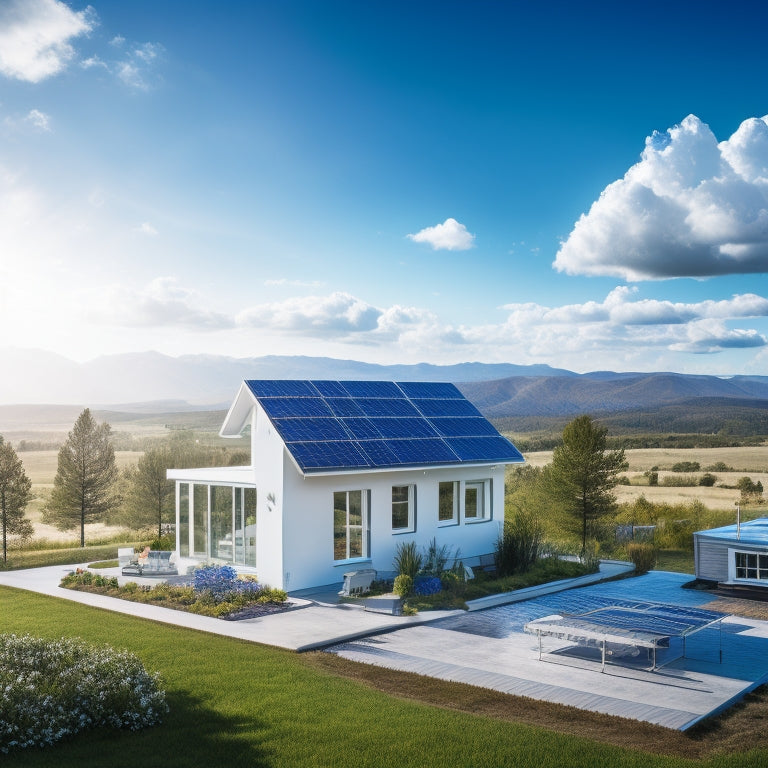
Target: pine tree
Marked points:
15	494
83	489
150	498
583	474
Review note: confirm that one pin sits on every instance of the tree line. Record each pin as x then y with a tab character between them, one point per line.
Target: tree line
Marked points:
89	488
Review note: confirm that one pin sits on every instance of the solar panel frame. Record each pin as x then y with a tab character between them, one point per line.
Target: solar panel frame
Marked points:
357	425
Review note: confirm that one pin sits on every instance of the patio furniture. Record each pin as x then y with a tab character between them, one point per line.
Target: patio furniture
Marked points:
126	556
357	582
158	563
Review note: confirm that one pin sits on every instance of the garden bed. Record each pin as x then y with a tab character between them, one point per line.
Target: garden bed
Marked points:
215	591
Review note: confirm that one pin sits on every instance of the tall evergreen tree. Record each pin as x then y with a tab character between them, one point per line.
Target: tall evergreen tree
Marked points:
83	489
583	474
15	494
150	497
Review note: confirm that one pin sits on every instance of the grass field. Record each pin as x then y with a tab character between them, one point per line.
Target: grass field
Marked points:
242	704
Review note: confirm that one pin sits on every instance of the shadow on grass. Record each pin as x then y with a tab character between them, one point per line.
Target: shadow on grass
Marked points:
191	735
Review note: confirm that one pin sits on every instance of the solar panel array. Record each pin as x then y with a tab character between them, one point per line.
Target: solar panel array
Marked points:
338	425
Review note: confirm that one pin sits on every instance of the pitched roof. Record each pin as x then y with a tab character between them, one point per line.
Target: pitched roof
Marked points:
362	425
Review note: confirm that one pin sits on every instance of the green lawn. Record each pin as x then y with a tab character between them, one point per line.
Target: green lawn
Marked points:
239	704
678	560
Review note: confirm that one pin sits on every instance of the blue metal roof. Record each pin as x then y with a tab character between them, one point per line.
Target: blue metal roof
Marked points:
356	425
750	532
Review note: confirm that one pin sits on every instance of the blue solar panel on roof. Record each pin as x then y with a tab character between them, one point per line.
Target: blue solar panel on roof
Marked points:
327	455
460	426
372	406
361	429
423	451
284	407
331	388
312	429
344	406
484	448
331	425
446	407
430	389
281	388
372	388
403	428
378	453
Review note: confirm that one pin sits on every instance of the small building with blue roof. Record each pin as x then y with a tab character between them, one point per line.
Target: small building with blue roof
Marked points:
341	473
734	555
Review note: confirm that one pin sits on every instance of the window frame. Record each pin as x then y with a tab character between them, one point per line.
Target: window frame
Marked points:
410	525
754	563
364	527
484	497
455	494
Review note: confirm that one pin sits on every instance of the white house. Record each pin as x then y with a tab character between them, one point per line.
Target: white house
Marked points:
341	472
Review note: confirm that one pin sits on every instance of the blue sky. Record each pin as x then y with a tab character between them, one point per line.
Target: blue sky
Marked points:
583	185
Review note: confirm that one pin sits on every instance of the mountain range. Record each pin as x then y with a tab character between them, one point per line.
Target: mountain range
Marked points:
154	383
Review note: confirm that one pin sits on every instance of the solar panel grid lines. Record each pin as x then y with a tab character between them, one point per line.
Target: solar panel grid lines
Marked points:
383	424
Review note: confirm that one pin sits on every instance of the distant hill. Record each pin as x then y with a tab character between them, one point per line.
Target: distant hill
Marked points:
42	377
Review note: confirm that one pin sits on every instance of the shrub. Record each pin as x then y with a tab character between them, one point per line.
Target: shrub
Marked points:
220	583
679	481
686	466
719	466
519	546
163	543
653	476
408	559
642	555
707	479
403	585
53	689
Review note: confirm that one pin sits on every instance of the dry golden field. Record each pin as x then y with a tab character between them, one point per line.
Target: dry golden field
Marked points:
40	466
746	461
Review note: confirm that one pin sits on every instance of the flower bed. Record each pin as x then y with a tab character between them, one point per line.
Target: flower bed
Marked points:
52	689
216	591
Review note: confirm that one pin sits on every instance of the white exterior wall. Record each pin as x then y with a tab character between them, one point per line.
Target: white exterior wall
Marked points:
308	520
267	451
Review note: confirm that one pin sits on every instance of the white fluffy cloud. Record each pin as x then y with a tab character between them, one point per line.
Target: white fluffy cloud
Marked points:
690	207
448	236
35	37
162	303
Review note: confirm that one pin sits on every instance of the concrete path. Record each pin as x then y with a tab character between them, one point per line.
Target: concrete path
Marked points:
305	626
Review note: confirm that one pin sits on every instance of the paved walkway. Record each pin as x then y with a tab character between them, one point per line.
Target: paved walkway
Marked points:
490	650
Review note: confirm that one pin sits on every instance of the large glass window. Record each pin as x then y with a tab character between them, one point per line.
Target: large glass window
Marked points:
184	519
751	565
350	525
403	508
448	503
200	519
249	525
221	523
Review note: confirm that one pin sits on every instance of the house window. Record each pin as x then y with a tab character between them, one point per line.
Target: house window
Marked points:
477	501
184	519
448	503
751	565
351	526
403	508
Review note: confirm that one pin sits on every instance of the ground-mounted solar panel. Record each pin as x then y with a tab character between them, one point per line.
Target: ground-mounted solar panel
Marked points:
330	388
309	428
381	406
484	448
463	426
445	407
281	388
390	428
430	389
319	456
286	407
